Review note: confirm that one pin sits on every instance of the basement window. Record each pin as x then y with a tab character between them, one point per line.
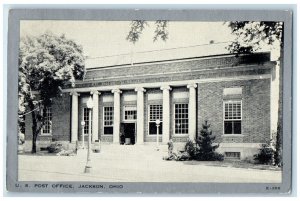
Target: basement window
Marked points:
233	155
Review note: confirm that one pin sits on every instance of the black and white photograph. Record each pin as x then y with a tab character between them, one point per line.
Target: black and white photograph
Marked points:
107	102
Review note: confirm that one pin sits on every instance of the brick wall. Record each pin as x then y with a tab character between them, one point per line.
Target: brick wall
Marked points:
61	119
178	66
255	110
61	122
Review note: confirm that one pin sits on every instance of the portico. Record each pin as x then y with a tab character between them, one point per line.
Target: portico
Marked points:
142	111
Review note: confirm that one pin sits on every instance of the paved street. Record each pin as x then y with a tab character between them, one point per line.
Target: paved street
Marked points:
135	163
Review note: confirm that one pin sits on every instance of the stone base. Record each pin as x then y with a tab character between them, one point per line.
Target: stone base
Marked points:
27	146
247	150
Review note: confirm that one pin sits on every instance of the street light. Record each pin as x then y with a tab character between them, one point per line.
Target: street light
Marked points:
82	125
157	133
88	165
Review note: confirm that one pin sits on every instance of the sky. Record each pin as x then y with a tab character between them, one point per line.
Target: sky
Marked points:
104	43
107	38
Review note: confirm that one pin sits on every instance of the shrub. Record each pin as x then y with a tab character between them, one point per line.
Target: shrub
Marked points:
190	149
54	147
173	156
248	160
183	156
21	138
265	155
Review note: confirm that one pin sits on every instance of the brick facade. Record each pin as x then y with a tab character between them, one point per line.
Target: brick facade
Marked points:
209	74
255	110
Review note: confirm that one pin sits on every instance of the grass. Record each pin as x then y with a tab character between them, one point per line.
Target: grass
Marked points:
234	164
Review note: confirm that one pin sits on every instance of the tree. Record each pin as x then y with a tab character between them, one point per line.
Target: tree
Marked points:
250	37
138	26
46	64
205	148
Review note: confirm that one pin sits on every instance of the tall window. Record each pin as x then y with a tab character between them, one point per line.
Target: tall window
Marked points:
108	120
86	120
232	117
155	112
47	128
129	113
181	119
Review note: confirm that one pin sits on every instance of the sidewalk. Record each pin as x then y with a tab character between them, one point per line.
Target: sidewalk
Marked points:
135	163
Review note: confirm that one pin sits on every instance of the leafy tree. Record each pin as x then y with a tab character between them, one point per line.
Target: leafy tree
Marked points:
250	37
46	64
205	148
138	26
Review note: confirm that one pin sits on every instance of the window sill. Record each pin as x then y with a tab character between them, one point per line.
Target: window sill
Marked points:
45	135
180	135
232	135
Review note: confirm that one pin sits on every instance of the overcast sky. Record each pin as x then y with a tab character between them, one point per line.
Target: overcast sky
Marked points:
103	38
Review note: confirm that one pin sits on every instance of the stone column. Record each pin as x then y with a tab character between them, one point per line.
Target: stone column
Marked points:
140	115
192	110
117	110
166	113
95	114
74	116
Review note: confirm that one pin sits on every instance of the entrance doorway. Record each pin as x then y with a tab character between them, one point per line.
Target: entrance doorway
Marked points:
129	132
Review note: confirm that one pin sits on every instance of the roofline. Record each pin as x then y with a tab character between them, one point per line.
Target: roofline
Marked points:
181	59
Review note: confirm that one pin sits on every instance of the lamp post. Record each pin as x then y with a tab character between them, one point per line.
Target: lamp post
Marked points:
82	136
157	133
88	165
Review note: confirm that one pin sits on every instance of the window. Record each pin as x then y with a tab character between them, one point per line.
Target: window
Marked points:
129	113
86	120
233	155
47	128
181	118
232	117
108	120
155	112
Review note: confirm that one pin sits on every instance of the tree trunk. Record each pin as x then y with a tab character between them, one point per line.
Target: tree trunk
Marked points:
34	127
